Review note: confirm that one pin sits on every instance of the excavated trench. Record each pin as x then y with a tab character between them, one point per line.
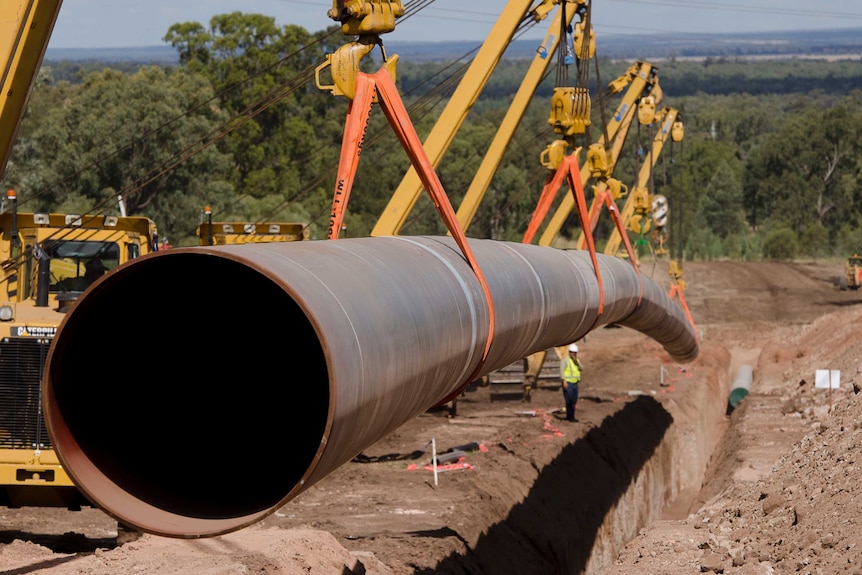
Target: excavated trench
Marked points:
645	462
669	482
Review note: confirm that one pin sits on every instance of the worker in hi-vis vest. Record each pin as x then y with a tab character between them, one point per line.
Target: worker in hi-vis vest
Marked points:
570	374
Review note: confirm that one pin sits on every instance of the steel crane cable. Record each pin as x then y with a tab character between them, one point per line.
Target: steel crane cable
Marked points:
206	103
584	56
274	97
202	143
419	109
158	129
563	50
602	94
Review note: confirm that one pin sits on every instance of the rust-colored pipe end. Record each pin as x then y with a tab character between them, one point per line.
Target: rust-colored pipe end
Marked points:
179	404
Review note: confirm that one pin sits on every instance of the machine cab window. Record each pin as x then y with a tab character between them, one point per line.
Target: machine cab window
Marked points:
75	264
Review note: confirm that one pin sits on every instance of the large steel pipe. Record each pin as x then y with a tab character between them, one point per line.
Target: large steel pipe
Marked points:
194	391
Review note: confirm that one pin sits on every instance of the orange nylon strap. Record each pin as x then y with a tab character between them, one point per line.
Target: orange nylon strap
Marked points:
543	206
595	212
355	125
621	229
570	171
675	290
396	113
574	176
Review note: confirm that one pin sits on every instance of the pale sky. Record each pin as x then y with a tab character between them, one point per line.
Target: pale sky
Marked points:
131	23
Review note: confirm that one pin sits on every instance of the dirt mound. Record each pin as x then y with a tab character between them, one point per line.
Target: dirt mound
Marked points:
798	514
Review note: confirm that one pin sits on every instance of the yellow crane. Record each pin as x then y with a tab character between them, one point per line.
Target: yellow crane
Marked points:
642	93
212	233
26	27
48	260
642	81
477	75
639	205
491	161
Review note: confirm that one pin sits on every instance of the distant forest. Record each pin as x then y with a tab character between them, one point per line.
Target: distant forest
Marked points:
770	166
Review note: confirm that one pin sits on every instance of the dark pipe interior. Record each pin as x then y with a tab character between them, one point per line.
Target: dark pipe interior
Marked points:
195	383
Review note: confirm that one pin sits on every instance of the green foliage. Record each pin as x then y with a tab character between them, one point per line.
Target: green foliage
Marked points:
253	65
721	76
769	168
721	206
848	240
742	246
814	241
780	244
130	135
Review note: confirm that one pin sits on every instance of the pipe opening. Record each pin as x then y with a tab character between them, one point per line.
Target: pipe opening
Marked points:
185	388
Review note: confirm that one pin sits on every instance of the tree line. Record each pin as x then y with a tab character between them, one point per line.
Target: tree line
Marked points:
769	167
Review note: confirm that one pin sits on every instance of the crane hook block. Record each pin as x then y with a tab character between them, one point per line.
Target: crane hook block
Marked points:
641	200
677	132
674	270
617	188
579	42
552	156
344	68
363	17
597	156
646	110
639	224
570	110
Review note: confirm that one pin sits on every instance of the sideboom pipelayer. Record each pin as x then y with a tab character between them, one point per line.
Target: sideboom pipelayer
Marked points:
124	479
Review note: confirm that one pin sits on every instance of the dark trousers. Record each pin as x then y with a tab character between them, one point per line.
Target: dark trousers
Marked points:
571	397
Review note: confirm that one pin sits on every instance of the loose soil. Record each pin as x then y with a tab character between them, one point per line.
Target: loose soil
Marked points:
659	475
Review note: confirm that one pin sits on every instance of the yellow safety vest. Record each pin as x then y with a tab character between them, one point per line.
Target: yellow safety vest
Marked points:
572	373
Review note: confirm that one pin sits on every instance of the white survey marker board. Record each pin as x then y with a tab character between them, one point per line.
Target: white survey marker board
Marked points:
827	378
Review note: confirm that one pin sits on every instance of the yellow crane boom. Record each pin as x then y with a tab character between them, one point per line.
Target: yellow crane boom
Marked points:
668	121
402	201
25	28
641	78
494	155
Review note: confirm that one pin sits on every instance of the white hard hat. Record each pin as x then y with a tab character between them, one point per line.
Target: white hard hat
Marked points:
573	347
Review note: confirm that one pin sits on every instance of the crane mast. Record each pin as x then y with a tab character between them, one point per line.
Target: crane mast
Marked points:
638	205
641	78
26	27
491	161
402	201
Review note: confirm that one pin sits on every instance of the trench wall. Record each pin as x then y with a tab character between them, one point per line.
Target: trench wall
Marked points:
670	480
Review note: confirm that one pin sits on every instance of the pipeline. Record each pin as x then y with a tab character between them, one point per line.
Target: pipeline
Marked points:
268	366
740	387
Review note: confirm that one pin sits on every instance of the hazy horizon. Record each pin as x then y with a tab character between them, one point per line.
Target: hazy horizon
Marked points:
124	24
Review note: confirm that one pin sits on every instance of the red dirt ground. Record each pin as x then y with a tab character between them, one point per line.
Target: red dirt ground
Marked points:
655	478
